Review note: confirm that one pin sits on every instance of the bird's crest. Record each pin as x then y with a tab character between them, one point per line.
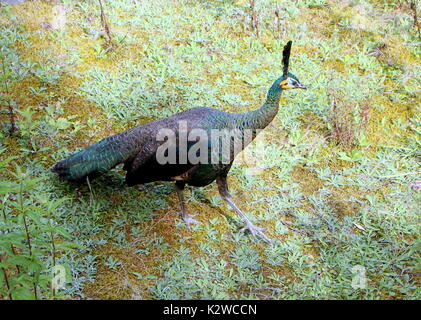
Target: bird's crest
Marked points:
285	60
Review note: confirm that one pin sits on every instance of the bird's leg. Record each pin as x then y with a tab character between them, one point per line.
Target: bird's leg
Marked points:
254	230
188	219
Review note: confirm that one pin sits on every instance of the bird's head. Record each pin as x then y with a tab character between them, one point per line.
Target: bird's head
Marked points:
290	81
287	80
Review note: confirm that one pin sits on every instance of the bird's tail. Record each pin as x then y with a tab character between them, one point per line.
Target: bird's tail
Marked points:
96	159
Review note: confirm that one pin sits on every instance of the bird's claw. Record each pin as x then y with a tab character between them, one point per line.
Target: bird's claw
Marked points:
188	219
255	230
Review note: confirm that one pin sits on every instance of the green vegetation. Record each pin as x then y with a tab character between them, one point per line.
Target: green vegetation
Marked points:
332	178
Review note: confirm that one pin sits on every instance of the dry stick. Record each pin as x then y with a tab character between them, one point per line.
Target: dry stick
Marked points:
12	129
105	24
91	198
252	10
6	279
8	230
278	21
291	228
254	18
28	237
54	260
330	225
417	25
53	253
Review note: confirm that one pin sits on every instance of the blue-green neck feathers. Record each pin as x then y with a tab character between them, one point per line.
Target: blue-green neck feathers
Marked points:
274	94
260	118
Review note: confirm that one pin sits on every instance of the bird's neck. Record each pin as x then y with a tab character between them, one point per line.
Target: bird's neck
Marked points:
262	117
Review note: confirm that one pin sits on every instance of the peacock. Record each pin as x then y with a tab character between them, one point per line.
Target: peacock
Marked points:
163	150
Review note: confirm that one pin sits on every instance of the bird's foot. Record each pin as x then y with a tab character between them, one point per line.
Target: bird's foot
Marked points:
188	219
255	230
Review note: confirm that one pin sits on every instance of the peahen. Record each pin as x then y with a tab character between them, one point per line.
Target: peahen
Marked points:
141	149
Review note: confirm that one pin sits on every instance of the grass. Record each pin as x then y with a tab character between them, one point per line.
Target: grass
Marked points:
331	178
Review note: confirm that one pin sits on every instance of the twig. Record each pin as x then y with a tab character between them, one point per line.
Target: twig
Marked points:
28	237
254	18
293	229
13	128
6	279
330	225
414	9
398	175
8	230
104	24
278	21
53	253
91	199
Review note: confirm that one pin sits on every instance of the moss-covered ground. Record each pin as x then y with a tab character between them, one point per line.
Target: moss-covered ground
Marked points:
333	178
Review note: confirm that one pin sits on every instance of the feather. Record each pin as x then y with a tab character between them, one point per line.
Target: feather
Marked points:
285	59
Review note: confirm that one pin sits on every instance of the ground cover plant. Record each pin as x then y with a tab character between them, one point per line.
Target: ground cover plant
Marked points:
334	179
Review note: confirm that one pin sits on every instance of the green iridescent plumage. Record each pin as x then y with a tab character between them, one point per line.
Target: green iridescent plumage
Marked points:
137	147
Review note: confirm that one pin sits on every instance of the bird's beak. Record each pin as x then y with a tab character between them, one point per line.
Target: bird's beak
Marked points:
301	86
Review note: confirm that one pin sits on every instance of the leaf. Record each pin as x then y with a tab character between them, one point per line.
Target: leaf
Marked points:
359	226
34	267
69	245
8	187
6	161
138	275
62	231
34	217
22	293
63	124
54	204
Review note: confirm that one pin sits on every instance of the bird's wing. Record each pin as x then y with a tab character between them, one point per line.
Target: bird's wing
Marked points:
145	167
